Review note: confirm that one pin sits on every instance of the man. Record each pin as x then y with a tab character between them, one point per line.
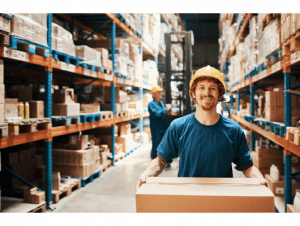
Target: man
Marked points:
206	142
158	118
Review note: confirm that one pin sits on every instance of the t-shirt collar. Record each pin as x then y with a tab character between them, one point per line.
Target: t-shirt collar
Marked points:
207	126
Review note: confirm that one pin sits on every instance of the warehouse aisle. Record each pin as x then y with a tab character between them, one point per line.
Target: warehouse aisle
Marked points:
114	191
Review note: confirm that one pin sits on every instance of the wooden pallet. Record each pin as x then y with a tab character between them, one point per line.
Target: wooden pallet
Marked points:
90	117
65	190
292	134
30	125
119	156
105	166
40	209
292	44
3	130
274	57
121	114
65	120
268	18
106	115
107	71
131	112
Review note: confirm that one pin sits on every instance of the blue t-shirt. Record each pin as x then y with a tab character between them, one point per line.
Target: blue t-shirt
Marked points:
205	151
158	118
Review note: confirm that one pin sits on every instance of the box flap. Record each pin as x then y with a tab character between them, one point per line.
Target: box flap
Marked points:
201	180
205	190
292	91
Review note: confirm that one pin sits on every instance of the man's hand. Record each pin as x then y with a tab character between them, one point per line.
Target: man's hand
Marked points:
264	182
142	180
168	107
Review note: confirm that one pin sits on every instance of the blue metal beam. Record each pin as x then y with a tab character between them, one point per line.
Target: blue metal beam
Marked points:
134	98
18	177
97	29
133	123
252	114
113	99
238	99
81	87
135	128
245	100
15	69
296	87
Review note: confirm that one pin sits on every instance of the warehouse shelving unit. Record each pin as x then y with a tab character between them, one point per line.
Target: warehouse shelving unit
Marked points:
79	76
275	75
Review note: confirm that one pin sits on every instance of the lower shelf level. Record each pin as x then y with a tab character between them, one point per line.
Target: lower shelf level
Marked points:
15	205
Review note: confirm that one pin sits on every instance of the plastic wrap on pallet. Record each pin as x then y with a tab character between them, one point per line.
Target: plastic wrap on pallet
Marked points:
261	50
62	40
273	35
26	28
89	55
130	70
137	59
121	64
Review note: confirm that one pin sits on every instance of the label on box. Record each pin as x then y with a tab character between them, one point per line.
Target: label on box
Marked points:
108	77
73	140
267	113
86	71
295	57
128	82
15	54
67	67
276	67
120	80
279	190
93	73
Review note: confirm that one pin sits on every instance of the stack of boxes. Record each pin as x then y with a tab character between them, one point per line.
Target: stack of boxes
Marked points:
21	161
31	27
77	161
274	106
2	92
32	195
272	36
88	55
251	47
120	100
290	23
125	137
64	103
62	40
261	106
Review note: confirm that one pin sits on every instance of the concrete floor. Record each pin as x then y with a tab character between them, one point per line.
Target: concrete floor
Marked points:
114	191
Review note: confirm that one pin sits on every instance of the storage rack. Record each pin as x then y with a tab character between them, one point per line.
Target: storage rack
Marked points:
278	73
79	75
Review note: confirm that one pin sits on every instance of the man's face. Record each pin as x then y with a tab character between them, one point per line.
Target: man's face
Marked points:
157	95
207	95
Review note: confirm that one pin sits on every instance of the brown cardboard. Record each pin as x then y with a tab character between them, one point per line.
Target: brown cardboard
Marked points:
104	56
2	93
38	198
270	113
64	96
290	208
109	65
73	170
5	24
214	195
277	187
120	95
65	109
279	114
78	142
2	114
55	180
124	128
23	93
36	109
280	99
22	156
127	141
11	108
270	98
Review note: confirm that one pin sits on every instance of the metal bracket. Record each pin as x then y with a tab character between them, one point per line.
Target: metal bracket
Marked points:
15	69
81	87
19	178
97	29
296	87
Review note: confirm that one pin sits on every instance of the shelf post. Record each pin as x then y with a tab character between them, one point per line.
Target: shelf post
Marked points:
252	114
48	173
231	101
287	122
112	90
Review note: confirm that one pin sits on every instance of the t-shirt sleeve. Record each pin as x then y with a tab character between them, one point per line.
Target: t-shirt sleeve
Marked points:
168	146
243	159
155	112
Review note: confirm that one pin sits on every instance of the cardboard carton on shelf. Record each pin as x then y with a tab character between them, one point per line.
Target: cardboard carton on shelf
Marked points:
22	93
174	194
55	180
124	128
2	113
1	72
36	109
2	93
277	186
78	142
11	108
66	109
120	95
104	56
63	96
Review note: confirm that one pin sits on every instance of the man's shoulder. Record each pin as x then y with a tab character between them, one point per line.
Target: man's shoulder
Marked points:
230	123
182	121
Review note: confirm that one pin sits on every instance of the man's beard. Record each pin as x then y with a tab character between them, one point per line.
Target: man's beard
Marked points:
208	107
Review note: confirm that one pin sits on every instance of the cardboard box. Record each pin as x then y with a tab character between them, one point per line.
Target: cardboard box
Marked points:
124	128
22	93
109	65
279	114
280	99
2	113
11	108
65	109
38	198
63	96
2	93
78	142
270	98
104	56
167	194
127	141
55	180
120	95
73	170
36	109
290	208
277	187
4	24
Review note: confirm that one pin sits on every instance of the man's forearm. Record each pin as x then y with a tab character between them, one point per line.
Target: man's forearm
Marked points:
155	167
253	172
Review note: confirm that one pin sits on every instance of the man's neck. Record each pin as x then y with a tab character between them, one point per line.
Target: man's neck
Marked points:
207	118
157	100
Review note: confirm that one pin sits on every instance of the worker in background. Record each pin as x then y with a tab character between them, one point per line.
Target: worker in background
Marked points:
158	118
206	142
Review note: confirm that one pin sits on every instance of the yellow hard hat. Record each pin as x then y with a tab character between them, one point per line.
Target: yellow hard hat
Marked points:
156	89
208	71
